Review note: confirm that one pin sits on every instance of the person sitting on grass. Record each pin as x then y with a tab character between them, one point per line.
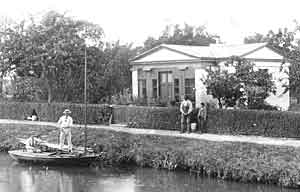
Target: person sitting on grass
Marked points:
186	107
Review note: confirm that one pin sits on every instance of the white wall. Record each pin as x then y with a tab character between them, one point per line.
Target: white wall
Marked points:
201	92
280	78
135	91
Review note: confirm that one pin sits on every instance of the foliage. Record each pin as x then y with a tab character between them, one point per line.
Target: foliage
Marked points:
167	118
223	86
256	38
186	35
254	122
244	84
220	121
285	43
243	122
97	114
27	89
115	75
51	50
51	53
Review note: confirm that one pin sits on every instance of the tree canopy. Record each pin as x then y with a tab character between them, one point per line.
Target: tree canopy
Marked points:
186	35
49	53
239	83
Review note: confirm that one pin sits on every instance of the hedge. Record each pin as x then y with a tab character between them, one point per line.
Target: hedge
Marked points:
153	118
220	121
97	114
254	122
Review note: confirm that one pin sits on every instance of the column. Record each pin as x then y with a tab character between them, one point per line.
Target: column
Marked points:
200	93
148	86
135	90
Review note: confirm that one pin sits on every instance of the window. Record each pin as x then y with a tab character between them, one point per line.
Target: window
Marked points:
154	88
189	85
142	88
176	90
263	70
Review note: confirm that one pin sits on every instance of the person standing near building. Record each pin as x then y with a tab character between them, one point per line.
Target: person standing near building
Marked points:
186	107
65	123
201	117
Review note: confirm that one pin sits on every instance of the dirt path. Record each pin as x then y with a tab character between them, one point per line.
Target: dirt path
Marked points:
209	137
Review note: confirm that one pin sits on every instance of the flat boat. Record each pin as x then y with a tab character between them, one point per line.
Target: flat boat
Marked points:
49	153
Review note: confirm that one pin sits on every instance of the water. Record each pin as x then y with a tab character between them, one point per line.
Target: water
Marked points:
16	177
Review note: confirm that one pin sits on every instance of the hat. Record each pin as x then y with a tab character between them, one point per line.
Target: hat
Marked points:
66	111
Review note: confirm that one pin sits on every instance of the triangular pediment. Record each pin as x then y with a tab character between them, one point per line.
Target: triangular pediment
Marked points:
164	54
264	53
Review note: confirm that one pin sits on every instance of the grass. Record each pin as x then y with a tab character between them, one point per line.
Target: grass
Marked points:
243	162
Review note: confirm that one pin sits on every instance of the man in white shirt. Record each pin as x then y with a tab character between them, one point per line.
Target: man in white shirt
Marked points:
186	107
65	123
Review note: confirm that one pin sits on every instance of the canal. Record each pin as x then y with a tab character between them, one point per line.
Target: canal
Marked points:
16	177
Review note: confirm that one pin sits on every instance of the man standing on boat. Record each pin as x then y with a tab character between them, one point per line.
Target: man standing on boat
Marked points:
65	123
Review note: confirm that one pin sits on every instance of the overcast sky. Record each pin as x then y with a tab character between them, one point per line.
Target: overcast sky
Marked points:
135	20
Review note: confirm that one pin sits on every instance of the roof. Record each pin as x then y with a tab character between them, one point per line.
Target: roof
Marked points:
213	51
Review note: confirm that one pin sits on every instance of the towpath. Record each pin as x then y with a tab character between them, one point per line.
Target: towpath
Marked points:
209	137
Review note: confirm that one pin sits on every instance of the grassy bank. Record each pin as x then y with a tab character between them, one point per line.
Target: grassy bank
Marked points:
242	162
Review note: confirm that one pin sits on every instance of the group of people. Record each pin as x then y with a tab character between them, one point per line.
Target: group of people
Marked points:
65	122
186	109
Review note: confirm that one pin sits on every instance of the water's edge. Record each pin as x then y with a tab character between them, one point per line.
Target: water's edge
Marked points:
241	162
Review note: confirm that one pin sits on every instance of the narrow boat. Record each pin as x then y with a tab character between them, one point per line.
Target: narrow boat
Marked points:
43	152
53	158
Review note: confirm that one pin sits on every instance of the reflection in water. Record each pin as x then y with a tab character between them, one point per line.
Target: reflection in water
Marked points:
16	177
27	181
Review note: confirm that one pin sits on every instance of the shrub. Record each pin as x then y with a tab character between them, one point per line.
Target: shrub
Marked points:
97	114
153	118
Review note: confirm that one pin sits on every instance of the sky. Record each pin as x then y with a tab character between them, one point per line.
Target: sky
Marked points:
135	20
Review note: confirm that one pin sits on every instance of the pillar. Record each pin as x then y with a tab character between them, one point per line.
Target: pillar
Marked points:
200	92
135	90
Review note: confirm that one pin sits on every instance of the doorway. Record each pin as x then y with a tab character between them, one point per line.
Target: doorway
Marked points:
166	86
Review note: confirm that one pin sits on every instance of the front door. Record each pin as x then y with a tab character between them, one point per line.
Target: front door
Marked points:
166	85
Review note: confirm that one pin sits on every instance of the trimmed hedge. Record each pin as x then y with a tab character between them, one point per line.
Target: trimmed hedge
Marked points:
96	114
254	122
153	118
220	121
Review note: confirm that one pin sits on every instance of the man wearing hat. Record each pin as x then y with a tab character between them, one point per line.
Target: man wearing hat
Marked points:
65	123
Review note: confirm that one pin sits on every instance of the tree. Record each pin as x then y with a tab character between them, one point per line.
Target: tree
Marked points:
187	35
285	43
113	75
51	50
245	85
256	38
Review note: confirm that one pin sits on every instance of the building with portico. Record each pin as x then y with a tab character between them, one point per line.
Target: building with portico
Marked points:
167	72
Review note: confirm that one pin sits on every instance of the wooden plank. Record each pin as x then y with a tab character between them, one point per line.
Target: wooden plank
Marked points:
53	145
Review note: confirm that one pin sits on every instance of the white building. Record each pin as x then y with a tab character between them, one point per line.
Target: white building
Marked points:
167	72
